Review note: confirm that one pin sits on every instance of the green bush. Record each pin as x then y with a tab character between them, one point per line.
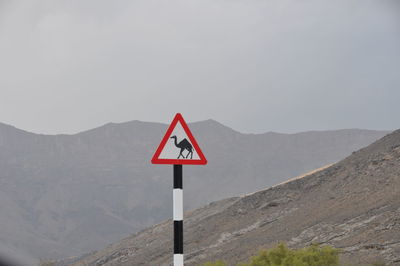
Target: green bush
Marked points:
313	255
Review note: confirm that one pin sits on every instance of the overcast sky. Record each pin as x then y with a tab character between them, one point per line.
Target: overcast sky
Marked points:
254	65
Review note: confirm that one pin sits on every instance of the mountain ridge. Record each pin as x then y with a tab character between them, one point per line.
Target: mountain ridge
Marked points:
209	121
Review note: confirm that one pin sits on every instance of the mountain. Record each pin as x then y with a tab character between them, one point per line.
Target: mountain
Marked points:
63	195
353	205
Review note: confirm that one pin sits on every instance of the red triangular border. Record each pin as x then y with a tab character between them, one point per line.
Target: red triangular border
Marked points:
157	160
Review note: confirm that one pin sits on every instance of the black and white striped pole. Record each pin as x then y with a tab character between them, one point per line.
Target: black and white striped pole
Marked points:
177	153
178	215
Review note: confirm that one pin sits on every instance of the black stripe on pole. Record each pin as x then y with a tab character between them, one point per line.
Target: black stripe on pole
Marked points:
178	176
178	237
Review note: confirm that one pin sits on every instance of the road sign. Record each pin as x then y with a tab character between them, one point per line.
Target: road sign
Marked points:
178	146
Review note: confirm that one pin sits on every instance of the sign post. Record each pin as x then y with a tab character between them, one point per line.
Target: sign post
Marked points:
178	147
178	215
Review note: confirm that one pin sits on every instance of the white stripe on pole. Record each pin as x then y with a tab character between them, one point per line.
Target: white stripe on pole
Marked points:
178	204
178	259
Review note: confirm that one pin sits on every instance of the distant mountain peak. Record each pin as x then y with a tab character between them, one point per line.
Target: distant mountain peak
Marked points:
213	124
9	128
4	125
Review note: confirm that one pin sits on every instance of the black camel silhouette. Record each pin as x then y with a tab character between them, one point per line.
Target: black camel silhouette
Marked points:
184	145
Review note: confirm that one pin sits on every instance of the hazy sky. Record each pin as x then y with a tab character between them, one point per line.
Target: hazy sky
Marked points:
254	65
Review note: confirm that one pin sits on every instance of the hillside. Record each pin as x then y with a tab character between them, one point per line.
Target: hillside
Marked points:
65	195
353	205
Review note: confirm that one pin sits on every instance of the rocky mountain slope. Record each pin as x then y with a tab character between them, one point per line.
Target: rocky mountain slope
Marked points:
353	205
65	195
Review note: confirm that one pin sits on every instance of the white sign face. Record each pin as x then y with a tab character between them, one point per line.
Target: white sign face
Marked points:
179	146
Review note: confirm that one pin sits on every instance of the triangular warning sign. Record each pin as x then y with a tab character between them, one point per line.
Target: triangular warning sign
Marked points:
178	146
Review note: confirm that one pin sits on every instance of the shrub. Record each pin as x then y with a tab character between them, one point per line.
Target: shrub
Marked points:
313	255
